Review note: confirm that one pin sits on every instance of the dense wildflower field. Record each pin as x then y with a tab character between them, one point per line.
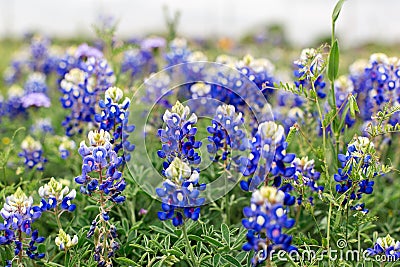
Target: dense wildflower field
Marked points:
166	151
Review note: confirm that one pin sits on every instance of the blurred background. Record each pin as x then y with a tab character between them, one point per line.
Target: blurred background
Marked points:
303	21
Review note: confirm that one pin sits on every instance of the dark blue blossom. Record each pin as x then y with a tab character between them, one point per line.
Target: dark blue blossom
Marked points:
266	219
181	189
268	155
32	153
386	246
358	167
19	213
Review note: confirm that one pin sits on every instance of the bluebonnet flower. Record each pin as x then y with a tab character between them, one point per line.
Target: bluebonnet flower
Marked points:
105	187
178	137
268	154
358	167
153	43
260	71
37	57
138	63
266	219
65	147
306	177
81	88
54	196
387	246
178	52
85	51
114	119
181	189
42	126
13	105
378	85
227	132
64	241
157	89
19	213
308	70
343	89
32	153
180	193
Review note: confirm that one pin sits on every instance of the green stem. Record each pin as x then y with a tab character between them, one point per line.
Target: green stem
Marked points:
328	234
193	261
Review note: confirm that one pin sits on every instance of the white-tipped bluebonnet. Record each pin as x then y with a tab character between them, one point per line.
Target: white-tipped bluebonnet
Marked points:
55	195
13	105
178	52
103	181
359	166
178	136
309	69
32	153
19	213
386	246
113	118
378	85
35	91
64	240
306	177
81	88
138	63
268	156
259	71
227	133
266	219
181	189
66	146
42	126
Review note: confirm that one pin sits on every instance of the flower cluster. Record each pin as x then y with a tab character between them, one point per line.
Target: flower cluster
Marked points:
138	62
64	241
113	118
81	87
306	177
105	188
178	52
19	213
32	153
55	196
268	154
65	147
181	189
377	85
308	71
266	219
42	126
226	132
388	246
35	91
358	167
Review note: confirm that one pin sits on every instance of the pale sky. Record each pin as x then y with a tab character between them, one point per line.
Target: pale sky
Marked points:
305	20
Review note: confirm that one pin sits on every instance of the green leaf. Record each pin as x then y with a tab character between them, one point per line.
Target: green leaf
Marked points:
336	10
176	251
333	64
216	260
196	238
328	118
212	241
226	234
161	231
123	260
353	106
232	260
